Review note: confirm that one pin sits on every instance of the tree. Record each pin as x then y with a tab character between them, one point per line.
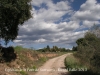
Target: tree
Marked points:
74	48
48	48
12	14
81	41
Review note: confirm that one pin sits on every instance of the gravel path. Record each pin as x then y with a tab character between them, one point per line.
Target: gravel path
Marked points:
54	66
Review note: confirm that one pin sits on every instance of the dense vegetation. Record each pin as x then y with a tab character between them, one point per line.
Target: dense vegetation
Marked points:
54	49
75	67
88	49
73	63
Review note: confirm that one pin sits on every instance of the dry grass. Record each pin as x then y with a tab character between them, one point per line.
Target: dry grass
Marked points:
27	58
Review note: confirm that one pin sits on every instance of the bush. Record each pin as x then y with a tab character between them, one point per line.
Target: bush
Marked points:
7	54
72	62
88	50
23	73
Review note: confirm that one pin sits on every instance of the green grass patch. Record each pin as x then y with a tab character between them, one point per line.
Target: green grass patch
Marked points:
72	62
75	67
23	73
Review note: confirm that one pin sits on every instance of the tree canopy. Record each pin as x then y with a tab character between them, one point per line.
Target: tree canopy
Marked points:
12	14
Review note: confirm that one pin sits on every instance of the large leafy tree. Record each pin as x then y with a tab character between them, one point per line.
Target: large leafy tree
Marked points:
12	14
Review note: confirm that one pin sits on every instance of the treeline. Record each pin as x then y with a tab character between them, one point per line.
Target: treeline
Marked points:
88	49
53	49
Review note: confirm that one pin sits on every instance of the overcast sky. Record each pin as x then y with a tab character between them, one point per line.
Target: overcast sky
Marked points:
58	22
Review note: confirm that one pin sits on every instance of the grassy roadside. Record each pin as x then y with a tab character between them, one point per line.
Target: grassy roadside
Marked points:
75	67
33	59
27	61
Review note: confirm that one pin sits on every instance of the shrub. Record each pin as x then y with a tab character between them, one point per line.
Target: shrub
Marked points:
23	73
88	50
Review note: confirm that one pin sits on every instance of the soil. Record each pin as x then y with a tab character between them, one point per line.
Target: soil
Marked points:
54	66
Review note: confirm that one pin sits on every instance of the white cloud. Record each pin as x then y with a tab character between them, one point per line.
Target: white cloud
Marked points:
54	11
40	40
88	11
50	15
88	5
42	27
17	41
60	6
87	23
68	26
47	25
38	2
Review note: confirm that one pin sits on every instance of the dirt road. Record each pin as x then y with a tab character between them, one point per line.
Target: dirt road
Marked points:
54	66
